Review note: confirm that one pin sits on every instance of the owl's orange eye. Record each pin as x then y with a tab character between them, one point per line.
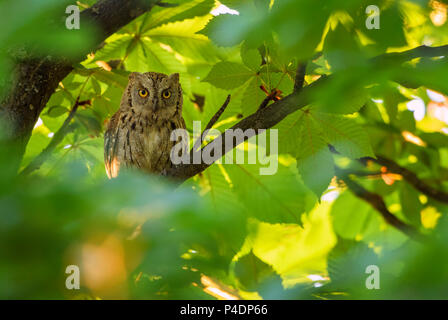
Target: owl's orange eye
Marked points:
143	93
166	94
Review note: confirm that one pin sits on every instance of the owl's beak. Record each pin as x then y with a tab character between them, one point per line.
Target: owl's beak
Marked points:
155	105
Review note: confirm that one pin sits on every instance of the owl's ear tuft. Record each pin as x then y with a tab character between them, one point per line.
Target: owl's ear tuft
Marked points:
174	77
133	75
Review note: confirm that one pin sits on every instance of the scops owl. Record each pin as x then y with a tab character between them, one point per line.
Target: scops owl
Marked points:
138	134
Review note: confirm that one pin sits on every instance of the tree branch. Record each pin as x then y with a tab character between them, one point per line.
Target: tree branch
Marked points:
361	173
167	5
266	100
377	202
412	179
300	76
407	174
211	123
262	119
269	116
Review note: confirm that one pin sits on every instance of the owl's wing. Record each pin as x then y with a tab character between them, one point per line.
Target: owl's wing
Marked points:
182	123
111	161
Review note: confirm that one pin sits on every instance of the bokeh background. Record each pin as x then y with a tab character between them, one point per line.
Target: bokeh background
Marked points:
230	233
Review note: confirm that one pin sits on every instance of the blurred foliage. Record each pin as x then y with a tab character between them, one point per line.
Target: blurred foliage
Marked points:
298	234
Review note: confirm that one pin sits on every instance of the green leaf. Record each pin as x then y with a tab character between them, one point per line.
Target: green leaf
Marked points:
392	98
289	130
314	159
410	204
228	75
391	31
306	134
251	58
116	78
183	38
56	111
38	141
280	197
355	219
115	48
185	9
406	121
341	50
310	243
235	4
148	55
435	139
428	72
96	86
344	95
347	264
297	15
344	134
221	30
89	121
252	97
219	190
253	274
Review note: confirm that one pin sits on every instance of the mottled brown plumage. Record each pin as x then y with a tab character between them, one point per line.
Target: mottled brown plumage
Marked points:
138	134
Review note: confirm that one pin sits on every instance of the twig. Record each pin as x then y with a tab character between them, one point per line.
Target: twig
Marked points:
166	5
266	100
361	173
298	85
412	179
300	76
377	202
407	174
210	124
36	163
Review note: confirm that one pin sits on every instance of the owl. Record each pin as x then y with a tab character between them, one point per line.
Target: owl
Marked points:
138	134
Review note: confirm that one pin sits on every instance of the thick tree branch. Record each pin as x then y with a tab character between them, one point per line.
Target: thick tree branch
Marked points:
377	202
34	80
269	116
